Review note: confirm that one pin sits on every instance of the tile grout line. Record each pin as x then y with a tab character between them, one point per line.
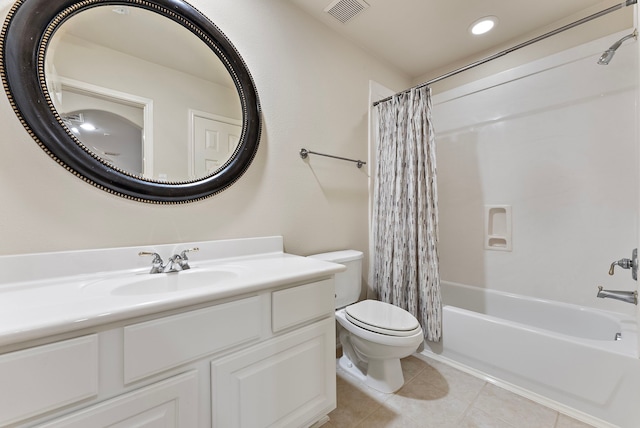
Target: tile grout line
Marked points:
362	387
380	404
470	406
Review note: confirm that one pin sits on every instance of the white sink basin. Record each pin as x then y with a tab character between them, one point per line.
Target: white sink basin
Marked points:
161	283
173	282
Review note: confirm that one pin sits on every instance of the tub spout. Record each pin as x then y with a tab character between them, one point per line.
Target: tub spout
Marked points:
625	296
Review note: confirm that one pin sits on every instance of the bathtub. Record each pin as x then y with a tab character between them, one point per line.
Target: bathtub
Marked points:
561	355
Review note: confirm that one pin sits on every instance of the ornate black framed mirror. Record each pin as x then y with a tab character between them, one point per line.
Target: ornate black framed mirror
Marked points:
83	74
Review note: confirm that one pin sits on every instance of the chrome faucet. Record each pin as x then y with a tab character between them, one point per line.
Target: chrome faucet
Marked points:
181	260
157	265
176	263
625	296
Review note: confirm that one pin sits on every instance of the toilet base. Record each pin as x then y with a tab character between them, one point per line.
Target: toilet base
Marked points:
346	365
382	375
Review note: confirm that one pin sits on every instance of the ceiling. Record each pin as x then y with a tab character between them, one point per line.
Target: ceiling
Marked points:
420	36
127	29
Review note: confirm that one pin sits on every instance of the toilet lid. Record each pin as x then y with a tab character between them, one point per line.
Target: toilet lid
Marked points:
382	317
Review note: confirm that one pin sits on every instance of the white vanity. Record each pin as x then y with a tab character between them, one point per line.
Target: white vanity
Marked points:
245	338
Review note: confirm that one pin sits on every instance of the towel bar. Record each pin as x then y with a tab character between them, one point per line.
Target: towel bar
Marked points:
304	153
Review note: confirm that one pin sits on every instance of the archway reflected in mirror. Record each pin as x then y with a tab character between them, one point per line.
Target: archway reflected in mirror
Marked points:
116	139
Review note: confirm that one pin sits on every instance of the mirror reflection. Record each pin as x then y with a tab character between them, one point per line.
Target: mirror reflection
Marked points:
114	138
143	93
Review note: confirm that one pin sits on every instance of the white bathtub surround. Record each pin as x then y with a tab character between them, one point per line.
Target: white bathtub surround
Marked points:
92	338
555	139
562	355
405	210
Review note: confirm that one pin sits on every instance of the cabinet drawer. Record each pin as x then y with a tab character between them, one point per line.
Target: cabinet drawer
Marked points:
303	303
172	403
158	345
47	377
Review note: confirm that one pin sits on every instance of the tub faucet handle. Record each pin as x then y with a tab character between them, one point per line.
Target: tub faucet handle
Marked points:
631	263
623	263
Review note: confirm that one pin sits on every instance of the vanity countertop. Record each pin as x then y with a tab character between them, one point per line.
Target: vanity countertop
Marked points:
63	292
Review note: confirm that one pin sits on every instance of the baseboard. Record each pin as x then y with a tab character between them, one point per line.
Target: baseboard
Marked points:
320	422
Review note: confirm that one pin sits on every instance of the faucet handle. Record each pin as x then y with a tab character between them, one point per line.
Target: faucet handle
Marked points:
181	260
156	263
183	254
156	256
631	263
623	263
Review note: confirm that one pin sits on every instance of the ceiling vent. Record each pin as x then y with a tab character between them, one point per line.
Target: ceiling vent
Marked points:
74	117
345	10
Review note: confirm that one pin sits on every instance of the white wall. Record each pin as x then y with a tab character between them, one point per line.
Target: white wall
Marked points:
313	87
556	140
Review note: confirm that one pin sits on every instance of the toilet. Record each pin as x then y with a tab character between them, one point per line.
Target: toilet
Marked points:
374	335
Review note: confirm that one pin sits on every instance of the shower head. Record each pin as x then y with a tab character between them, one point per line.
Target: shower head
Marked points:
607	55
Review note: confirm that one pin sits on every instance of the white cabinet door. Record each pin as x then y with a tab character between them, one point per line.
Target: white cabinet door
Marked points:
44	378
288	381
167	404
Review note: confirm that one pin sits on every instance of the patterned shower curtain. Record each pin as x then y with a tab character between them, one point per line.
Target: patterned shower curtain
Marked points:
405	214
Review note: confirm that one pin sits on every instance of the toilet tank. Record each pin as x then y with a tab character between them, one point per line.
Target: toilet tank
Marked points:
348	283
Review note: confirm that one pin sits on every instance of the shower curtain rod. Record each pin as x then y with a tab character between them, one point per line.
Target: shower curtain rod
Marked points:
515	48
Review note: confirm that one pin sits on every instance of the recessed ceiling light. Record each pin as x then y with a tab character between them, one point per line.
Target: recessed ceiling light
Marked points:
483	25
120	10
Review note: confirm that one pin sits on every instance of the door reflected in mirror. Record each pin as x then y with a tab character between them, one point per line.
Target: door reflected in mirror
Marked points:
118	68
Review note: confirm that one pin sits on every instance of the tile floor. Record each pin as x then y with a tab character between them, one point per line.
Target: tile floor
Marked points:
436	395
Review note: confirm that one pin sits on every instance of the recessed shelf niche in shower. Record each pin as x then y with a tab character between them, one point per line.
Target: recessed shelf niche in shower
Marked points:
497	227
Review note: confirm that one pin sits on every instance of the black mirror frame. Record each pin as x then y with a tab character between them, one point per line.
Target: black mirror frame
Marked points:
25	35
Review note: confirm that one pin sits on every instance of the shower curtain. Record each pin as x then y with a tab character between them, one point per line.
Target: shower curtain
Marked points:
405	212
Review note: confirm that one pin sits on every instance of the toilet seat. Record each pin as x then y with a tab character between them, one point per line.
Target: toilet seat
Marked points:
383	318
